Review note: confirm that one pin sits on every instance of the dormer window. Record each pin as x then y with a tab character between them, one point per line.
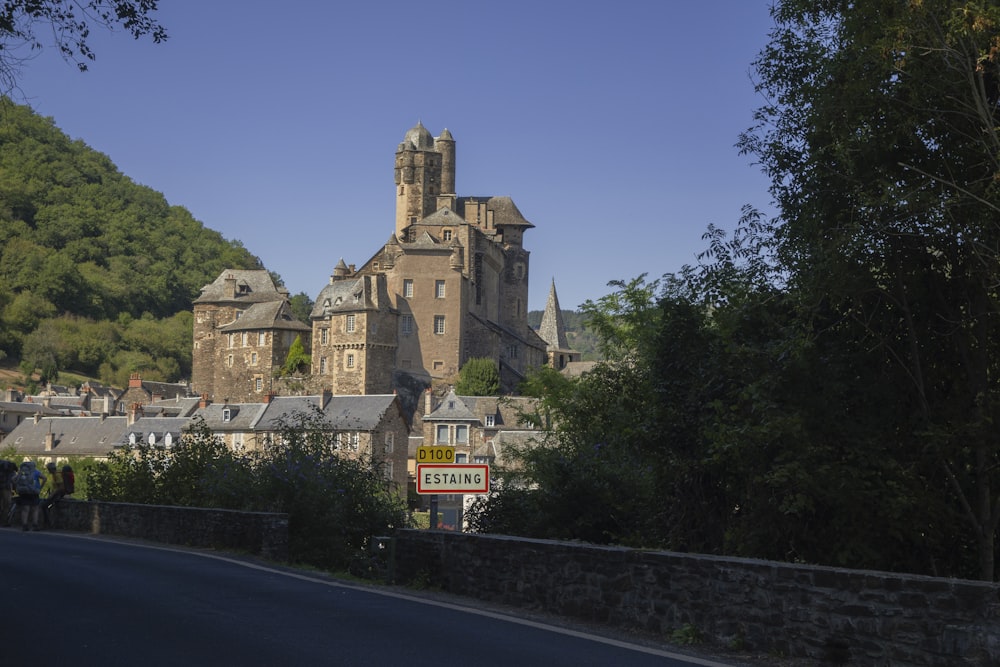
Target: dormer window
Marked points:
227	414
131	438
152	438
357	298
446	235
168	440
491	420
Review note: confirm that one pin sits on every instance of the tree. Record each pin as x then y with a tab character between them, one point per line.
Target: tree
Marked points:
70	23
297	360
478	377
881	141
301	306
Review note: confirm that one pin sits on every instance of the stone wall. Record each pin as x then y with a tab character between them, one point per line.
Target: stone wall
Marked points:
258	533
835	615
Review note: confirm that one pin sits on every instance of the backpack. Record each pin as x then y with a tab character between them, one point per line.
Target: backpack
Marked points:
24	482
69	479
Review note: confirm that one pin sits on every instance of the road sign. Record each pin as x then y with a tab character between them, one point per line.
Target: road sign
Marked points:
455	478
439	454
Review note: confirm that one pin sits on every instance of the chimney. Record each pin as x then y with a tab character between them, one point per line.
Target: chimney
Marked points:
135	381
106	410
204	402
428	401
134	412
47	401
269	396
38	417
230	289
50	441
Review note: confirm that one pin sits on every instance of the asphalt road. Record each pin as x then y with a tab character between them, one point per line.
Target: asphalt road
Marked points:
108	602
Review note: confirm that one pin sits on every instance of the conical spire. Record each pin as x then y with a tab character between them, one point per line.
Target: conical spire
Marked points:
553	329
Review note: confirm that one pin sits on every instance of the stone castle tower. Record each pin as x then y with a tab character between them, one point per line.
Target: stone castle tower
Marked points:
456	274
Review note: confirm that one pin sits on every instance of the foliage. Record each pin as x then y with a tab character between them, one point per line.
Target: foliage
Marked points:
335	504
821	387
301	306
478	377
297	360
69	24
97	273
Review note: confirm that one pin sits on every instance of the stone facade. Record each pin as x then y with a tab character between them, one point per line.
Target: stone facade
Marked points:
243	329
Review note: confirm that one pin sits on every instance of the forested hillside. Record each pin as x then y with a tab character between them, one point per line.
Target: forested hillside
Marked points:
97	273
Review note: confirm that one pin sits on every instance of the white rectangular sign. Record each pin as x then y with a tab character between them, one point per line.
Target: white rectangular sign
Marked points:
454	478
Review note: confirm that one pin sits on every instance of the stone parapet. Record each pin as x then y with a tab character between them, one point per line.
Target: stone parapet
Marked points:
259	533
834	615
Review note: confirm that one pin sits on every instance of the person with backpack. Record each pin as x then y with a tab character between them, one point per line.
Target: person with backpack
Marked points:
28	483
56	492
7	471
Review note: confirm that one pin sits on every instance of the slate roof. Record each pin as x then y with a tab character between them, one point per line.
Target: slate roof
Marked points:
453	409
242	416
358	412
339	296
73	436
268	315
284	408
252	286
158	427
173	407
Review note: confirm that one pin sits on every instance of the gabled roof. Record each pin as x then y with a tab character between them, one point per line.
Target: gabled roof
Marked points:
359	412
452	408
283	409
174	407
72	436
242	416
252	286
269	315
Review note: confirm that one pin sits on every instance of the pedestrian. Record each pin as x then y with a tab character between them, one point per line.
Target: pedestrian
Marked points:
28	483
7	471
57	489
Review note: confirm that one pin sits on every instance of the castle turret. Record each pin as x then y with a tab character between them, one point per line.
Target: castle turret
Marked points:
421	176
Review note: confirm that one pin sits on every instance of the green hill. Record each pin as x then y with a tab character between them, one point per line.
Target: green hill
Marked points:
97	273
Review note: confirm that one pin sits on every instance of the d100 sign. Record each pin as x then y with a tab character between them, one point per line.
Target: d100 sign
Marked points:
455	478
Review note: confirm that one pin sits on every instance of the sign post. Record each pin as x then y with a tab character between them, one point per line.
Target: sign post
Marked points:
435	454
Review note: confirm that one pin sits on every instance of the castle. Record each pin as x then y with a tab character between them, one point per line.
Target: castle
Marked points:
450	284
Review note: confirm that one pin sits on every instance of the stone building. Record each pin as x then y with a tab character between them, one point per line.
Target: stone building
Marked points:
455	272
450	284
354	334
243	329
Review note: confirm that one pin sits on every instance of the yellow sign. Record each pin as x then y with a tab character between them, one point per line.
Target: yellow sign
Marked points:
435	454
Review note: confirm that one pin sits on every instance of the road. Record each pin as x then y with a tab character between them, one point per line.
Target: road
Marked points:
108	602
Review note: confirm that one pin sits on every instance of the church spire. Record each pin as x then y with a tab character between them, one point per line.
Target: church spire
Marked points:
553	329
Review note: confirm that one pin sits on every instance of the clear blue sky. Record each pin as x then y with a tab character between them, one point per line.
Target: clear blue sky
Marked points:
611	125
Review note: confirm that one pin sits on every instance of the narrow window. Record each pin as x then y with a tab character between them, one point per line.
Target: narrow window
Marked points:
408	288
406	323
229	361
462	434
259	384
253	358
324	336
390	441
350	324
438	289
322	365
442	434
446	235
245	337
439	324
262	338
350	360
